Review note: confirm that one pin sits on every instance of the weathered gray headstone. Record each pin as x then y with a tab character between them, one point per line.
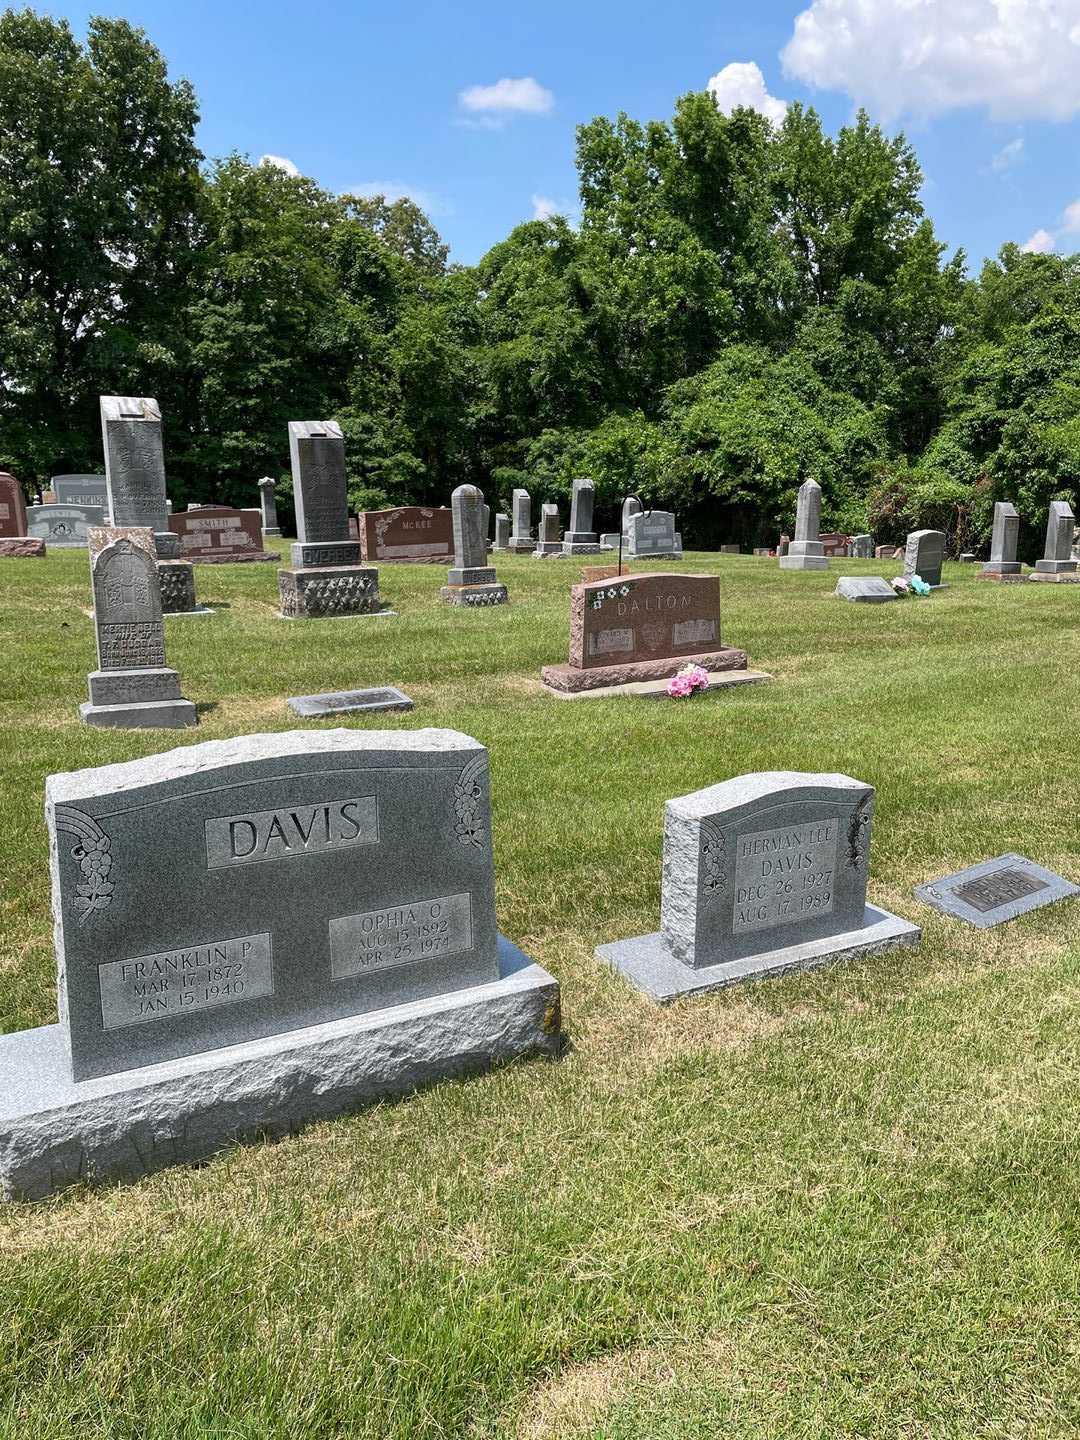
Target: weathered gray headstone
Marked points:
502	532
549	532
581	538
255	933
806	551
471	580
135	468
924	555
340	702
631	507
521	537
1058	558
1003	543
862	547
63	525
133	687
997	890
325	580
870	589
268	500
762	874
81	490
652	535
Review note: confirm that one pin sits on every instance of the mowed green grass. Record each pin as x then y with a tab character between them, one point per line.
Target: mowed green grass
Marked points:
839	1204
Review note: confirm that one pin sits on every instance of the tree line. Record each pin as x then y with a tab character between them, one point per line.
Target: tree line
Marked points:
740	307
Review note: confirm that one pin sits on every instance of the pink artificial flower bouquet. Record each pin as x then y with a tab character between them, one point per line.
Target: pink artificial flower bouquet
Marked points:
689	679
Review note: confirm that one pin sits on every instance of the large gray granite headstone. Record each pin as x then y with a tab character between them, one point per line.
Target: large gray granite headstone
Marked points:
761	874
997	890
81	490
135	468
806	551
1058	558
317	456
246	887
924	555
869	589
1004	540
652	533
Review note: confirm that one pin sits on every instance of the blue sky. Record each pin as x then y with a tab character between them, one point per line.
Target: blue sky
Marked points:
472	108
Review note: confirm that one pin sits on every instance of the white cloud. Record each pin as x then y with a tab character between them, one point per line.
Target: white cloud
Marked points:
1071	222
1041	243
279	162
545	208
924	57
1007	156
507	97
744	84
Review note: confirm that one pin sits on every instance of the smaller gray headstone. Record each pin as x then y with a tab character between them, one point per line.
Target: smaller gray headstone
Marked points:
1058	558
521	537
631	507
806	551
340	702
1003	543
549	531
502	532
924	554
652	534
862	547
269	507
581	538
997	890
81	490
870	589
471	581
63	525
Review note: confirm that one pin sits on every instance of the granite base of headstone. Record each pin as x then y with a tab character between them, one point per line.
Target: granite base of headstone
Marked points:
864	589
341	702
256	933
22	547
997	890
762	875
133	688
635	629
177	580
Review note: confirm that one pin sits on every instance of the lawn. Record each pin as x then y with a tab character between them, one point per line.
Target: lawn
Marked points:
845	1203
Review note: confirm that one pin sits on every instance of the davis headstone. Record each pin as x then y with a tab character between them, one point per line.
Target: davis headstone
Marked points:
924	555
268	503
762	874
133	686
81	490
549	532
1003	563
997	890
325	581
255	933
637	628
135	468
471	581
581	538
409	534
12	507
806	552
1058	560
63	525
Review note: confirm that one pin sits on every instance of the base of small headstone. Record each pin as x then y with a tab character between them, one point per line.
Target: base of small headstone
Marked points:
124	1126
803	562
22	547
653	554
140	715
580	543
475	595
1065	577
570	679
1001	577
341	702
647	964
545	548
177	579
329	591
521	546
657	689
240	557
179	614
274	534
997	890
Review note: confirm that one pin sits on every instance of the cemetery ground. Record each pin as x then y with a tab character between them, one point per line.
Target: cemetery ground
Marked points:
841	1203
